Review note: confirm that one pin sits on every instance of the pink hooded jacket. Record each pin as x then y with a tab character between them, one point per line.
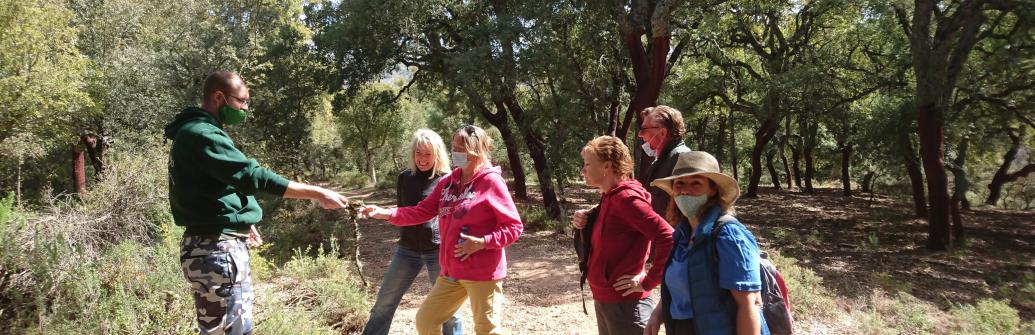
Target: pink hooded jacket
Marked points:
483	205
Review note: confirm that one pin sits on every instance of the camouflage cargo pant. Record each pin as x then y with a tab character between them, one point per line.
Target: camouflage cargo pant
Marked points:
219	273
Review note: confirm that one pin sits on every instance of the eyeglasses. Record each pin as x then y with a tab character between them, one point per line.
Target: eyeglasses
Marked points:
645	128
244	102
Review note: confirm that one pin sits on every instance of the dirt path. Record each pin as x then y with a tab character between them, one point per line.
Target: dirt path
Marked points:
541	288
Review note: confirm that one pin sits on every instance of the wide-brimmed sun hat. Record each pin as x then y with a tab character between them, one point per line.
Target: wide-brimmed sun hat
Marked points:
700	163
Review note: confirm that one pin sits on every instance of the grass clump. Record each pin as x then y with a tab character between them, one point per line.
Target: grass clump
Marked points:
989	317
809	299
898	314
534	217
324	288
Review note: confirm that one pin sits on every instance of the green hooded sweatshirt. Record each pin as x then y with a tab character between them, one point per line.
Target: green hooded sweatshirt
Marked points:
211	183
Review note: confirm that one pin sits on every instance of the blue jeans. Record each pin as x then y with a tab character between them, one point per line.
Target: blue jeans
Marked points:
402	270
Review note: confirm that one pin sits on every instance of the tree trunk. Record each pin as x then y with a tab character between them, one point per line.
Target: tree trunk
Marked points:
96	147
796	152
957	221
370	166
78	169
960	182
762	136
796	165
720	141
931	131
18	184
867	182
773	175
783	159
700	136
537	150
734	161
959	192
937	62
810	131
916	177
649	72
502	123
1002	175
846	156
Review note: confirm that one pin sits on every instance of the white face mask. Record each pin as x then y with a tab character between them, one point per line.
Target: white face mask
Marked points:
690	204
459	159
648	150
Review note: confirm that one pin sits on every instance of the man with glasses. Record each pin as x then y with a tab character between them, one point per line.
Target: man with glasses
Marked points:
211	193
662	134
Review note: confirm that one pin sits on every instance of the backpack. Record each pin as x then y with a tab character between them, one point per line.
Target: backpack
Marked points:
581	239
776	304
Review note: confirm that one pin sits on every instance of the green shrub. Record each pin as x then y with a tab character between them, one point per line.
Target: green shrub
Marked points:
534	217
888	283
988	317
105	262
1020	293
351	179
387	182
901	314
808	296
301	225
288	321
324	286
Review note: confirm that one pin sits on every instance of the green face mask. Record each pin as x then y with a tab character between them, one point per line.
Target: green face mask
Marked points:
231	116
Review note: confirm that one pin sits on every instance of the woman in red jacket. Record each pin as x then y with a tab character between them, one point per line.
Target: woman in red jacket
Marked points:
477	219
623	233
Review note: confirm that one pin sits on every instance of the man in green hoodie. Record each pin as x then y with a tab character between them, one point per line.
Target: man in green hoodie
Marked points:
211	192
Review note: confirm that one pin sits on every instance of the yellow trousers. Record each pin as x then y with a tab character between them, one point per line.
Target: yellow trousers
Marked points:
448	295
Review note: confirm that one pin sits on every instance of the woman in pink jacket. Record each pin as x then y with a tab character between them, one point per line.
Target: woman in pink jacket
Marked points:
477	220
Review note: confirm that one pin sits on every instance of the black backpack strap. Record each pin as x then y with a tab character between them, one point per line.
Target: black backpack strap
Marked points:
722	221
582	240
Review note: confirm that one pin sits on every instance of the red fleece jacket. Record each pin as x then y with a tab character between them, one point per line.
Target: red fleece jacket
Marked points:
483	205
622	236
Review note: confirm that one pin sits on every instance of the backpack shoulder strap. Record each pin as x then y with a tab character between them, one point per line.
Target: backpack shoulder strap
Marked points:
722	221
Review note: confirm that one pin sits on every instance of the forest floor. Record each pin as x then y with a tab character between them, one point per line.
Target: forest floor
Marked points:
856	244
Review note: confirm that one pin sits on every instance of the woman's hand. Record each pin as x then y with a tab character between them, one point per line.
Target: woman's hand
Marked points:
468	246
654	323
579	218
630	283
372	211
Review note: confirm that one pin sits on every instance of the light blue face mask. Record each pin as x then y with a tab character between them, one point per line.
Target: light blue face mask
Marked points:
690	204
459	159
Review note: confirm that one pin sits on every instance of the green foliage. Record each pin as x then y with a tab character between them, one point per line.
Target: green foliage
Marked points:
105	263
810	299
323	286
899	314
888	283
1021	293
534	217
375	121
304	225
989	317
351	179
289	321
41	71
